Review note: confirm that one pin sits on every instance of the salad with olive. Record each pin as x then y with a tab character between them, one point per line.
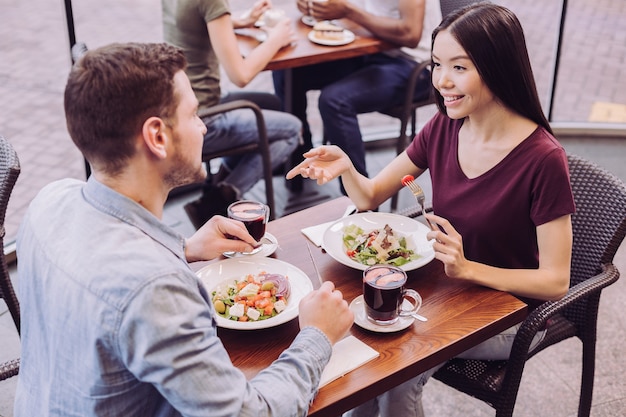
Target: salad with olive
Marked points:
252	298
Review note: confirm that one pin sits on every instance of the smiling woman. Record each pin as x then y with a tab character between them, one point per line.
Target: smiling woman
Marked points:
501	193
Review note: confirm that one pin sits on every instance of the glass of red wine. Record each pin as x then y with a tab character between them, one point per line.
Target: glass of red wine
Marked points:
254	216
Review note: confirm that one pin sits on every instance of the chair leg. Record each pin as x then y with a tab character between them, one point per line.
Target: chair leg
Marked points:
269	188
267	163
588	373
401	145
504	413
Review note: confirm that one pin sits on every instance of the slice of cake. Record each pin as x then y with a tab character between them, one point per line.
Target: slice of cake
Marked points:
327	30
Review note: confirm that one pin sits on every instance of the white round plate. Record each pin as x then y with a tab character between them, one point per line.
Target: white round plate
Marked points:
308	20
415	232
266	249
230	269
348	37
360	318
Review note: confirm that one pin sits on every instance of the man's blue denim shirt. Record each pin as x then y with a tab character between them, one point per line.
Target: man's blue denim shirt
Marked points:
115	323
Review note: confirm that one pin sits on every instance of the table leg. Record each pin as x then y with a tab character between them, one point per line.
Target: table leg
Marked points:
296	184
288	87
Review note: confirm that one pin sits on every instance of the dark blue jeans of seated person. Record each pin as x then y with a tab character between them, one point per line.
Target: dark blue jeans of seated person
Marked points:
350	87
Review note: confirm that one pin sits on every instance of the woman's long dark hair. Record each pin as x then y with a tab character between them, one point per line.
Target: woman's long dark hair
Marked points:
494	40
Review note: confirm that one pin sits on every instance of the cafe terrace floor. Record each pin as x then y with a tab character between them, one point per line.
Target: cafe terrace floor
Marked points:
34	62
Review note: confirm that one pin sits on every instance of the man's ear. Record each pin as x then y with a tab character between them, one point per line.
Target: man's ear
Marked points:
156	136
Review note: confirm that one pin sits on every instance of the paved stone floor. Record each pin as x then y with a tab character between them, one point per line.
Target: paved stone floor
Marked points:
34	62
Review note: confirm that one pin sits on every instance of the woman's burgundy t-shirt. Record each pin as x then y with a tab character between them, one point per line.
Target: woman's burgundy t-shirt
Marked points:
496	213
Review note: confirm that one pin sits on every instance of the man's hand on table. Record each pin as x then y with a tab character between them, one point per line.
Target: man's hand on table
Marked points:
326	309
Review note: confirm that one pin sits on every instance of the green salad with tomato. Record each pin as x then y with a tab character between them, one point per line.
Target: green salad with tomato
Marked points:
253	298
379	246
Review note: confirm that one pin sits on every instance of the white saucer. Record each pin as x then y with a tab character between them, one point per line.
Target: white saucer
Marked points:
308	20
360	318
266	248
348	37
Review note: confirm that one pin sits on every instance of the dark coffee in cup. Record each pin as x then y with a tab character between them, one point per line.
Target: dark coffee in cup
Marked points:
383	293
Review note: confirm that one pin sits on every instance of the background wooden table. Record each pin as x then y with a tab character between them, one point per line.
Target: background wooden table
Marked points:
304	52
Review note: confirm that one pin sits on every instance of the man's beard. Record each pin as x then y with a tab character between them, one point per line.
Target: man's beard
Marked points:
184	173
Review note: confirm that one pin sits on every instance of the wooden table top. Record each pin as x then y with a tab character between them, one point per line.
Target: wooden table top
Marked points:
304	52
459	315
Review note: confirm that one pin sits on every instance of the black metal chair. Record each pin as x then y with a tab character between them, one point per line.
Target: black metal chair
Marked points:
9	171
78	49
599	227
262	146
405	112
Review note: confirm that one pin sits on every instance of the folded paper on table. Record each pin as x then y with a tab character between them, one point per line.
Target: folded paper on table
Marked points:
348	354
316	233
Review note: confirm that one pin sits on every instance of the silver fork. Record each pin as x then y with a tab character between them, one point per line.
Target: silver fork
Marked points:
419	195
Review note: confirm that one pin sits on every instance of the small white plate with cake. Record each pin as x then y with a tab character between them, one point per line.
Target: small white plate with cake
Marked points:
328	34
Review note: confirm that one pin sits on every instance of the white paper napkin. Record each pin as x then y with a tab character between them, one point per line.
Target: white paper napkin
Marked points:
316	233
348	354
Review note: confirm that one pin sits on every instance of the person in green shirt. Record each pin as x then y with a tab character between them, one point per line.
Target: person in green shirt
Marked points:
204	30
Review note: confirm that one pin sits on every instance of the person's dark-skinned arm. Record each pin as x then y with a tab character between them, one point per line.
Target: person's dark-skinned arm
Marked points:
404	31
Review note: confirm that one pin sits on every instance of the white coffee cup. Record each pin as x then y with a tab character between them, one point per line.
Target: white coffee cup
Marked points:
271	17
